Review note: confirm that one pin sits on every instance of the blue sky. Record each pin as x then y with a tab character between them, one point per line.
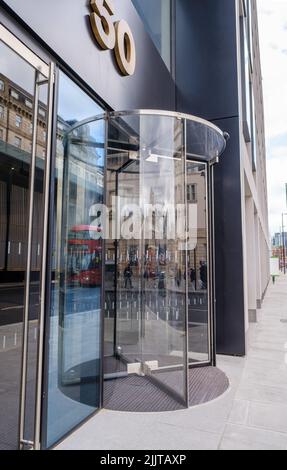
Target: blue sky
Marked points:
273	43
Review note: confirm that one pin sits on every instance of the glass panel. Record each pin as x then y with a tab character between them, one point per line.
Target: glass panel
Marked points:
18	83
156	16
246	79
164	243
129	257
74	342
145	322
254	132
197	261
203	142
123	254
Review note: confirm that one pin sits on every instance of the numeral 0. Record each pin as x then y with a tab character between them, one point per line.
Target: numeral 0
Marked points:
114	36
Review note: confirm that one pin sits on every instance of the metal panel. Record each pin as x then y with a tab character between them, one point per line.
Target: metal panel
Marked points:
229	275
206	58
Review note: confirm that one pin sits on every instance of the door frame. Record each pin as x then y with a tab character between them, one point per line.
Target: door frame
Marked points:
44	75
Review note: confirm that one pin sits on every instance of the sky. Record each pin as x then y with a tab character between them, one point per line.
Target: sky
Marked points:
273	44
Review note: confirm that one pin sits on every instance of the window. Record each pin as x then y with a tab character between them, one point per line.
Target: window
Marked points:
1	134
156	16
29	104
2	112
14	94
249	21
246	82
44	136
18	121
31	128
254	134
192	193
17	142
42	112
2	85
248	101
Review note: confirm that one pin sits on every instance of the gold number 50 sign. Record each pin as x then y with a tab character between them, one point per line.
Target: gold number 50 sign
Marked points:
115	36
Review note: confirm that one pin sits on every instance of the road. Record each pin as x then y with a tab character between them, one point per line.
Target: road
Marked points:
12	301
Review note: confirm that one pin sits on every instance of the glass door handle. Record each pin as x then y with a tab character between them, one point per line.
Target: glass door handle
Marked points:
29	257
38	405
40	80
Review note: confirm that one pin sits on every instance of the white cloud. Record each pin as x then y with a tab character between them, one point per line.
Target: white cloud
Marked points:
273	43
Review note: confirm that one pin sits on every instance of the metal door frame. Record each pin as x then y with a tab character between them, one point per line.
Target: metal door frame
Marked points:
44	75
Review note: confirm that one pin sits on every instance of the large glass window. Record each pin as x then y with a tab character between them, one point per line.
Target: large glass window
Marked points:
248	101
156	15
73	381
254	133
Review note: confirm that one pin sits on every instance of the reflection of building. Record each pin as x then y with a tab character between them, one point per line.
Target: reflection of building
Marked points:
16	130
16	116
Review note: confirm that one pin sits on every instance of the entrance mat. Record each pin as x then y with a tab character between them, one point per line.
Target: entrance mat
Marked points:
144	395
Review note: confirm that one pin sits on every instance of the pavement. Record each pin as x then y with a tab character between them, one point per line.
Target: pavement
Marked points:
251	415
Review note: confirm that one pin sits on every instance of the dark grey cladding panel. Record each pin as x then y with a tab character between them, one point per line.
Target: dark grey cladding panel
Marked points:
230	317
63	25
206	62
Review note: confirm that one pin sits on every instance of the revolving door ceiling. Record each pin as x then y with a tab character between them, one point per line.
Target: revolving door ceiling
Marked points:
158	307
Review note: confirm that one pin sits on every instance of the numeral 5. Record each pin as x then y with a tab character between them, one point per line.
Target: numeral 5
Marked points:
117	36
102	23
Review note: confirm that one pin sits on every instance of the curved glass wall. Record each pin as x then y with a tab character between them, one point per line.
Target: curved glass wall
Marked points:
158	257
132	254
73	352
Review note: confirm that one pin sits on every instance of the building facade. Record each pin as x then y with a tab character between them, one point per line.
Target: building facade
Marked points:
82	313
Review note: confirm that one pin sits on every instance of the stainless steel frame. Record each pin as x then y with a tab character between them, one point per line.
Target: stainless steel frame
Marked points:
153	112
44	74
23	442
38	404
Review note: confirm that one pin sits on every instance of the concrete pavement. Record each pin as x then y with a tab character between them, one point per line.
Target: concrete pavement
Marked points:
252	415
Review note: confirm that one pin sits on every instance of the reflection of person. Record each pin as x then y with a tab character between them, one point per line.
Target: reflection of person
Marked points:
128	276
192	274
161	284
178	276
72	264
94	262
146	274
203	274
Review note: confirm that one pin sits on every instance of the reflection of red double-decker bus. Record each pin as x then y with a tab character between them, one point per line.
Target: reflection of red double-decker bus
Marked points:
85	256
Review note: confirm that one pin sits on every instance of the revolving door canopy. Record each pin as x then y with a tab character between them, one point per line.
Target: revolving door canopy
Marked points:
157	255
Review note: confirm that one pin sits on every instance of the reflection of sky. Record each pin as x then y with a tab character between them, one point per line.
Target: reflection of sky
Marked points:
19	71
75	106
